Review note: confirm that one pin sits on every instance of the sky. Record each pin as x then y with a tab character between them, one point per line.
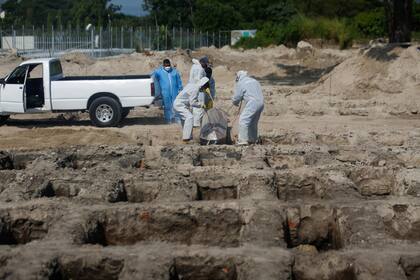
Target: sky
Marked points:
130	7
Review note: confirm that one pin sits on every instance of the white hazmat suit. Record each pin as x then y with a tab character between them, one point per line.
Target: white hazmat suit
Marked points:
249	91
196	73
187	99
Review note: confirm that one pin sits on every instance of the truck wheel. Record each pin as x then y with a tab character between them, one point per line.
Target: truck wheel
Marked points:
3	119
125	113
105	112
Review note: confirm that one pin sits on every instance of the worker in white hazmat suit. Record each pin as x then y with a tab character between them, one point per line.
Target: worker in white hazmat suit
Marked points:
249	92
185	101
197	71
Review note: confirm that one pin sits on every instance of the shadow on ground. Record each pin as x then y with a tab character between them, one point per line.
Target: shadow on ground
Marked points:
296	75
37	123
379	54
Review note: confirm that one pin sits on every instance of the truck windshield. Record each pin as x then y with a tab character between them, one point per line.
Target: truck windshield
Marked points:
55	68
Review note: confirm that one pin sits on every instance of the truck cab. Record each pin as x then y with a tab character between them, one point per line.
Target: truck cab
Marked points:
27	88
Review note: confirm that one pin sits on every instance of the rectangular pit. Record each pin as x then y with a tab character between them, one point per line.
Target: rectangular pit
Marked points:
21	231
210	226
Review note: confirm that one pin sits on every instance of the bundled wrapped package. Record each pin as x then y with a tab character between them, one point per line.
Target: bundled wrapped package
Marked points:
215	128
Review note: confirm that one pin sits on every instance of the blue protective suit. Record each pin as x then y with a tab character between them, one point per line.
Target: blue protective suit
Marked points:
249	91
167	85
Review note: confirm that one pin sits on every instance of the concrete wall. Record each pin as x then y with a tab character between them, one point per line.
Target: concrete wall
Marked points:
18	42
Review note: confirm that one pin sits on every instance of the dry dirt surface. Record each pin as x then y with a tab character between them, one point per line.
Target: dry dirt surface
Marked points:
331	193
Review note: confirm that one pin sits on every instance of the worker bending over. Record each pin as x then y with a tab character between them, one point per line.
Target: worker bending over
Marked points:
185	101
248	91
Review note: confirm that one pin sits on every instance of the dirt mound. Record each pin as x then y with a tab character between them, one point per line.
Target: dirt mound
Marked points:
77	58
380	80
136	63
376	71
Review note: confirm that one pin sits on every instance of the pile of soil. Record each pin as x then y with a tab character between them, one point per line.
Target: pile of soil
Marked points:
388	76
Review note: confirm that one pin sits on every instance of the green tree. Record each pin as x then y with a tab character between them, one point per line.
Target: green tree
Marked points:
23	11
218	14
336	8
170	13
211	16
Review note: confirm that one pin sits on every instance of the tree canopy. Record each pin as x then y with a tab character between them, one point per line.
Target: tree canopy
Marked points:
58	12
284	19
229	14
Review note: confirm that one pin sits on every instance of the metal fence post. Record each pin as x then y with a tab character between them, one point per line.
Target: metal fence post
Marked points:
52	40
68	37
141	38
110	37
180	40
166	37
100	41
194	39
92	38
150	37
60	40
201	39
173	37
33	34
131	37
14	38
122	37
158	37
42	38
188	38
23	38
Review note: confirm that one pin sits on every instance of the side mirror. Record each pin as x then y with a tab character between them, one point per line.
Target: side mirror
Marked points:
2	81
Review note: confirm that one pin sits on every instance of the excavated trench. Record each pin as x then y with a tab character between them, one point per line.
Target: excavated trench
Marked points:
21	231
84	268
213	227
216	212
319	229
199	268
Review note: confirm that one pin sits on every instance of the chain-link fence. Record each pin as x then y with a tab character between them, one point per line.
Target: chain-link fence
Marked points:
43	42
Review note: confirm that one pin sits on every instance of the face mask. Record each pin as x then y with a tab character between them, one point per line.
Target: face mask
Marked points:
168	68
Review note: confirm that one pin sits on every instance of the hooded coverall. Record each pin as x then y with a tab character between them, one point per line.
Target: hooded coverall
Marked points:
197	72
168	85
186	99
206	97
250	92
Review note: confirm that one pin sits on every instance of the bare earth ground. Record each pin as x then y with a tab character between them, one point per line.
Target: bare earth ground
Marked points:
332	193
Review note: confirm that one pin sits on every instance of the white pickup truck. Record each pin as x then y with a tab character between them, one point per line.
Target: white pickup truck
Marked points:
38	86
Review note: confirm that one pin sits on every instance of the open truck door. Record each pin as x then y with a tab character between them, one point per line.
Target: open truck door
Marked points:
13	99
